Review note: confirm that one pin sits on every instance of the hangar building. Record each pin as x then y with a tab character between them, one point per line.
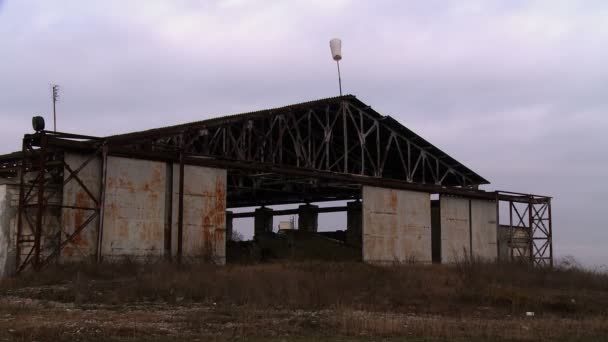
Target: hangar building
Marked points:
171	192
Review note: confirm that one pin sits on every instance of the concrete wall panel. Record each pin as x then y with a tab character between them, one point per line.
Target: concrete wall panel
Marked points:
484	230
455	230
9	202
204	225
468	228
84	245
134	215
396	226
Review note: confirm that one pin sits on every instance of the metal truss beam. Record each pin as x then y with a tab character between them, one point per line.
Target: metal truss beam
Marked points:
339	137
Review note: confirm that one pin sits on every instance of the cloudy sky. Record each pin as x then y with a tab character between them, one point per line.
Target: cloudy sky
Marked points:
516	90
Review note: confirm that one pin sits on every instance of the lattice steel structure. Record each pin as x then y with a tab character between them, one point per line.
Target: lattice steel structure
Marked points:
340	135
43	173
529	227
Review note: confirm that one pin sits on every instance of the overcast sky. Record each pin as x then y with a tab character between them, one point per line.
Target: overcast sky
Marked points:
516	90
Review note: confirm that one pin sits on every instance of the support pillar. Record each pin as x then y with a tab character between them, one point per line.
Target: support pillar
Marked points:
308	218
354	218
229	216
262	221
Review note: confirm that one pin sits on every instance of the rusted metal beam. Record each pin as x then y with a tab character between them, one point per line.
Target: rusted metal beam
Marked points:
102	201
41	204
21	205
292	212
334	176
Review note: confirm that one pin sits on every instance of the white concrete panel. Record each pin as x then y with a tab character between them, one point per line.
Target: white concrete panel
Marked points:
204	219
84	245
5	233
396	226
134	208
484	230
9	202
455	229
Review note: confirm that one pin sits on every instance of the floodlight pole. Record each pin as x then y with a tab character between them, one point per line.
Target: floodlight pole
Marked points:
339	77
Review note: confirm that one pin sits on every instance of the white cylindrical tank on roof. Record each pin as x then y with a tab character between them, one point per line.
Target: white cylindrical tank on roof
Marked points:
336	49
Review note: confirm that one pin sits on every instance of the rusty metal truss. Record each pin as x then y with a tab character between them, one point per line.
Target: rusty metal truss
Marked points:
530	232
43	173
341	135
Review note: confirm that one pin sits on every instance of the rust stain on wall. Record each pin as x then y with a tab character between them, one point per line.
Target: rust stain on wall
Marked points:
134	218
204	212
84	243
396	225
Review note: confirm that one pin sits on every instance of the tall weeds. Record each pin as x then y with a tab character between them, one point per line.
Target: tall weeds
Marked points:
461	288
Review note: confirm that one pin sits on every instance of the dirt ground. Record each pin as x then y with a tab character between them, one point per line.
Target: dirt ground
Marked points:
100	307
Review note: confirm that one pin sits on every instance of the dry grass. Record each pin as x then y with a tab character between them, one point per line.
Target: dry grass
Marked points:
326	300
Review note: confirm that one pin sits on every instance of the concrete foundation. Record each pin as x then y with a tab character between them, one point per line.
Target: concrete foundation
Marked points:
262	222
308	218
396	226
354	224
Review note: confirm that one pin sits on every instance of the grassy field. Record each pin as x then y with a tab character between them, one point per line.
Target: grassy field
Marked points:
318	301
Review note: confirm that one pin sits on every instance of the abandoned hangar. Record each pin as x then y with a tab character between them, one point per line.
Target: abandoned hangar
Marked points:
170	192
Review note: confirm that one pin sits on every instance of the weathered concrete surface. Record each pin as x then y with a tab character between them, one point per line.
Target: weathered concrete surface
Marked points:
204	224
308	218
9	202
354	224
84	245
396	226
468	229
134	208
484	237
455	229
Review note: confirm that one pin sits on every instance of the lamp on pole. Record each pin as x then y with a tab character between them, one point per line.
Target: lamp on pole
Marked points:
336	53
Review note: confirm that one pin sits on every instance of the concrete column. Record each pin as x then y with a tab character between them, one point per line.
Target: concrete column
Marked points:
354	218
262	221
308	218
228	226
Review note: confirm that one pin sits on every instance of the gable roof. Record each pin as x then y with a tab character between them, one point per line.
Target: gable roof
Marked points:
387	120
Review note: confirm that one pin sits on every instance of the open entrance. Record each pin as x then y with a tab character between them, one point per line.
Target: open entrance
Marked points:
327	230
